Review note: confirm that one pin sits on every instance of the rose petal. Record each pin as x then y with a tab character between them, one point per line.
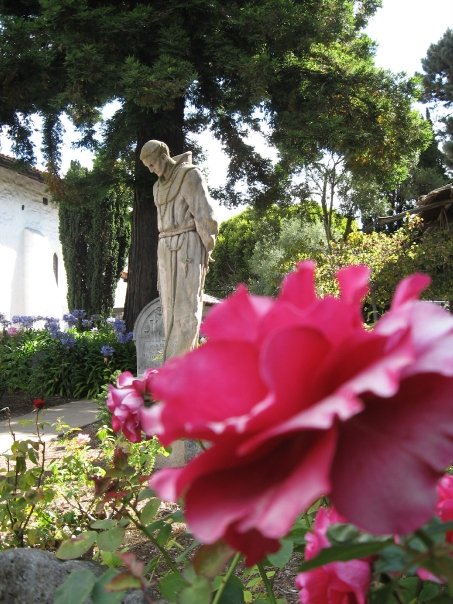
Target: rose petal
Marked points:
292	359
353	282
389	457
410	288
237	318
264	492
227	385
298	287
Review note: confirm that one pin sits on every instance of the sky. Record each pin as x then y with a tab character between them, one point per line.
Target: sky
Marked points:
403	30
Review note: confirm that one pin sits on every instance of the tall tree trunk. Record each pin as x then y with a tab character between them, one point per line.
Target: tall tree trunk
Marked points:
142	268
325	213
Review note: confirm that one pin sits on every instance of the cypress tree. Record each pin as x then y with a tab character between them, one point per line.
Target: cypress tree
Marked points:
95	236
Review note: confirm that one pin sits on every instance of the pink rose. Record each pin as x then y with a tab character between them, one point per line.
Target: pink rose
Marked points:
337	582
298	400
444	510
127	401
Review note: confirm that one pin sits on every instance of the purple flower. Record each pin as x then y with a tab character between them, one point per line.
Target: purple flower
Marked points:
67	339
52	326
107	350
118	325
124	338
70	319
24	320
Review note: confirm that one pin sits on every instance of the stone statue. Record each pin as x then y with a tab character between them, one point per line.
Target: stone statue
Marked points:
187	232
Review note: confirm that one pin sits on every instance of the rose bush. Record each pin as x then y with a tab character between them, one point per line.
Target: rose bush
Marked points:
298	399
336	582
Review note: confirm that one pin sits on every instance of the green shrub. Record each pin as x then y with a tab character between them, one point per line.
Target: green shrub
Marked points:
75	363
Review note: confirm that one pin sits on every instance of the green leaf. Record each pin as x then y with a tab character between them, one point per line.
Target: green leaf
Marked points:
283	556
145	494
123	581
76	547
210	560
149	512
392	559
164	534
233	592
342	533
76	589
198	593
111	559
105	523
383	595
110	540
429	591
345	552
171	585
99	595
441	599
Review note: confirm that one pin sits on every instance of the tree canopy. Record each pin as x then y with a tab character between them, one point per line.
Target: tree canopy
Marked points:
178	67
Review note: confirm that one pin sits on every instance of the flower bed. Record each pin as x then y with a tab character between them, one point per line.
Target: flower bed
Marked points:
74	358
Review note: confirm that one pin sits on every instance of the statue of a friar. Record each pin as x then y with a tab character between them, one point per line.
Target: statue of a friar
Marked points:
187	232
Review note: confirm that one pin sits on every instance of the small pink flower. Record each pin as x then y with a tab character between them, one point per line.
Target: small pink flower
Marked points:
337	582
12	331
444	510
127	401
298	400
82	439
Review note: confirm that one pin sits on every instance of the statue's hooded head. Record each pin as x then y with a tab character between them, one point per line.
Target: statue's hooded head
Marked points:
154	150
155	155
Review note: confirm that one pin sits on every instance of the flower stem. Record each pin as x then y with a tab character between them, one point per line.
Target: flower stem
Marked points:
226	578
161	549
267	583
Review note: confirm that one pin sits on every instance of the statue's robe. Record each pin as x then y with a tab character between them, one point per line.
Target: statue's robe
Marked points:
187	232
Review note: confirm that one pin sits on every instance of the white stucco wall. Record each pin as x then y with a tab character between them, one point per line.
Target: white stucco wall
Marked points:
28	242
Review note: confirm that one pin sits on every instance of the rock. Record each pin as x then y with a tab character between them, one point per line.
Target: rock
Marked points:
31	576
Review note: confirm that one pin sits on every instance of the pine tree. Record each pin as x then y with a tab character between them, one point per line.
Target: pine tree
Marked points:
438	81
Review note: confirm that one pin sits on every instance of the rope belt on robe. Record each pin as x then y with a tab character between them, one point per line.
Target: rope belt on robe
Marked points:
178	230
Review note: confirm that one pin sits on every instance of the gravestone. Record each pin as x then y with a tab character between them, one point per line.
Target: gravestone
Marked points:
149	337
